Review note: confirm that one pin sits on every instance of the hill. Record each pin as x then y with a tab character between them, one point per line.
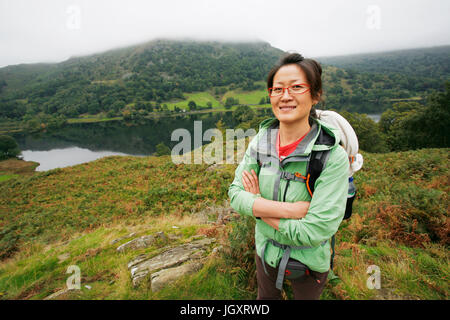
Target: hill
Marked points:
432	63
63	217
156	71
373	82
158	75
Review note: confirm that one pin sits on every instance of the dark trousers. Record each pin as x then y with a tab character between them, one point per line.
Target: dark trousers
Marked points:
307	287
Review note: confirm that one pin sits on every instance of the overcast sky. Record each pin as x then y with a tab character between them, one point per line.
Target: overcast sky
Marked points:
54	30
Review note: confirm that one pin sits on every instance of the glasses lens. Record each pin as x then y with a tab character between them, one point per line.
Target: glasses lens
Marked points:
276	92
297	89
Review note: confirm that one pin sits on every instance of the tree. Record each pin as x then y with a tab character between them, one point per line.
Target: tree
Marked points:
94	107
402	126
192	105
110	114
221	126
370	138
437	118
411	125
231	102
33	125
8	147
243	113
118	105
162	149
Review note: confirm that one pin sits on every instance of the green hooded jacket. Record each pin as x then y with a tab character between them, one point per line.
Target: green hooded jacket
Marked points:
327	205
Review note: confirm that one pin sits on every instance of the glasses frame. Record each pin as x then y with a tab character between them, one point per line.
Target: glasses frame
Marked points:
288	89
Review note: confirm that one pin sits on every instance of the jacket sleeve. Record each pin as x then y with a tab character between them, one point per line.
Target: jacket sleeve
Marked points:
327	206
241	200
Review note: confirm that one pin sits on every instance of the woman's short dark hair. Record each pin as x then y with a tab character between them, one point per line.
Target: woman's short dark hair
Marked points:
312	70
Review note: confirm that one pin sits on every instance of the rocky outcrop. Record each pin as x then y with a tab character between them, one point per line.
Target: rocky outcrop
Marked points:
169	265
57	294
122	238
142	242
161	278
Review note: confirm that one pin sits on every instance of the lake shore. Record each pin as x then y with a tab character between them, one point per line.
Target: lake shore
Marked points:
18	166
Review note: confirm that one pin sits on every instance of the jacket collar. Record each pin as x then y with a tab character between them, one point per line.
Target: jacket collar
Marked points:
318	138
267	143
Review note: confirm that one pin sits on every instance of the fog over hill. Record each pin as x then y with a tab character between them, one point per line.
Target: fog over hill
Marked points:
147	75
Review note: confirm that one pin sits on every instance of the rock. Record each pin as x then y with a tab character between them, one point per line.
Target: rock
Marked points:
63	257
161	278
221	213
142	242
197	237
142	266
216	250
224	215
122	238
215	166
57	294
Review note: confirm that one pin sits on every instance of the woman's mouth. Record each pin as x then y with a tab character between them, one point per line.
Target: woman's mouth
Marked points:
287	108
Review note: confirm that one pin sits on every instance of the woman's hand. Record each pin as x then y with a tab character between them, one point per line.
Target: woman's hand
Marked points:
250	182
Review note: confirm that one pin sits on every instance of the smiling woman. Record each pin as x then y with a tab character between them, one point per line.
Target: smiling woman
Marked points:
293	221
295	70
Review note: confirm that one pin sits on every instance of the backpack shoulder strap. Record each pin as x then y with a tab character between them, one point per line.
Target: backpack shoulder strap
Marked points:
317	160
316	164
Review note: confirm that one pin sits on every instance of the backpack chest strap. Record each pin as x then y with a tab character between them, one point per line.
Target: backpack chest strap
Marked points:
289	176
293	176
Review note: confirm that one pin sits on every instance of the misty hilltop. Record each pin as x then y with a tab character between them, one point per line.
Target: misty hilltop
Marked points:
147	75
181	66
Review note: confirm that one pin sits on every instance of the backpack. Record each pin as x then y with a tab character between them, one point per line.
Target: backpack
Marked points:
349	141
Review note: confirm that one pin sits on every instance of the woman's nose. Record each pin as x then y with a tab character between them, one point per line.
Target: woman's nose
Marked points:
286	95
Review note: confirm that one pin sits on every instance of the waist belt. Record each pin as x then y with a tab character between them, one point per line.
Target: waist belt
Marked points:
284	259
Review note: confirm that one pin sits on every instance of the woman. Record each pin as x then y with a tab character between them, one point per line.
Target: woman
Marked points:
289	220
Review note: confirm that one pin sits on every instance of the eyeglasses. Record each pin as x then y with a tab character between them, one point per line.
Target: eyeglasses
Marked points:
294	89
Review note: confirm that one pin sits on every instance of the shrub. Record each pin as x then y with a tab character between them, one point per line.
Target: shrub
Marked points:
162	149
8	148
240	251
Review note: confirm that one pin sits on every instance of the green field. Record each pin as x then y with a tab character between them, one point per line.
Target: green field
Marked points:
200	98
4	177
247	97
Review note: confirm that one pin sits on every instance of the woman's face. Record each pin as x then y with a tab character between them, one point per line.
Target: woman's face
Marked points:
289	108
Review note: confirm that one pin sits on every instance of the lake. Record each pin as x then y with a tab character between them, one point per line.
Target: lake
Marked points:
60	158
375	117
79	143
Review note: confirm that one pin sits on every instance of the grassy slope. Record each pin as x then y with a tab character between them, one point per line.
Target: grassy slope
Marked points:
200	98
400	224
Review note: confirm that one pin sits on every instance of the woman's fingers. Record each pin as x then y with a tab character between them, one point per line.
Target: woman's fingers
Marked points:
255	178
248	185
245	182
250	182
250	179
